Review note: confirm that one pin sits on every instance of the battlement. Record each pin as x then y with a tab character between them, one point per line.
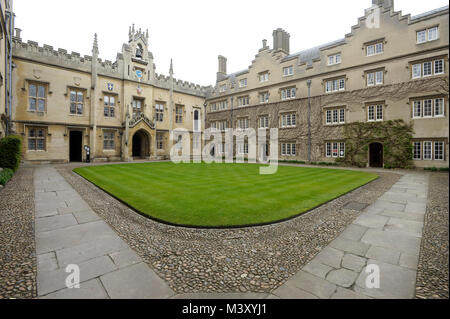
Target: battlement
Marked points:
181	86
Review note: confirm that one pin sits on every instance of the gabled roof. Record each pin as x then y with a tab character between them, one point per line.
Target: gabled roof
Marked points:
429	13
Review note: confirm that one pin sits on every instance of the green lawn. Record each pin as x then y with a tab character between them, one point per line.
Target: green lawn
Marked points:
222	194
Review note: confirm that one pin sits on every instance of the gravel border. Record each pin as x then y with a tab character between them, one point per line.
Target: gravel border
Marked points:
17	242
258	259
433	269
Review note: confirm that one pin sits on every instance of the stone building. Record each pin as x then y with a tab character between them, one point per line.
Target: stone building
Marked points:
66	105
6	25
389	67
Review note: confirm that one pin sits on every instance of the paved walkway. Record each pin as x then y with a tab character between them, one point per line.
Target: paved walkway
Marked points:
387	234
69	232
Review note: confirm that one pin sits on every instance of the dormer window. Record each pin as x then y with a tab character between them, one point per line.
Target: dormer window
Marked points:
427	35
375	48
264	77
222	88
334	59
243	83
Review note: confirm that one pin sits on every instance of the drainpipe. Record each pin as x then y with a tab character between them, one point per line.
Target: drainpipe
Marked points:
309	120
11	28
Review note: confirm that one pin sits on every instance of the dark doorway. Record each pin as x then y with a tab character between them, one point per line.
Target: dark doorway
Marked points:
141	145
76	146
376	155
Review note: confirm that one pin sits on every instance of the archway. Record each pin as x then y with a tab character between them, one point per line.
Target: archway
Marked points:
141	144
376	155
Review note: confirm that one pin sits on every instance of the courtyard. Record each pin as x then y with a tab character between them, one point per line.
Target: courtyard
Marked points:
55	217
222	195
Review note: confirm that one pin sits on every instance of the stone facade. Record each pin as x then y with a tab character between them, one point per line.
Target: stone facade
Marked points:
6	25
109	107
385	48
64	102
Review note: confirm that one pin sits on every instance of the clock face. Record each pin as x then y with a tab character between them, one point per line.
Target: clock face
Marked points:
139	74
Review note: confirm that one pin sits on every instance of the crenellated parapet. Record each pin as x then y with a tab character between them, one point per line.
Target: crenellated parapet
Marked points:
163	81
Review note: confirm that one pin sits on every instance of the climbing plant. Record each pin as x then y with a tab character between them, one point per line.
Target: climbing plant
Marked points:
396	137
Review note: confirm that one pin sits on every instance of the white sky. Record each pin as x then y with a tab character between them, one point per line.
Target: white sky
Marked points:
193	32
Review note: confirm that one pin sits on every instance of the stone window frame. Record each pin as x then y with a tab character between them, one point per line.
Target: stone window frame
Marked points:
339	109
266	121
334	56
107	137
243	100
160	107
427	34
37	84
413	102
35	138
420	63
180	111
78	90
288	149
266	79
292	92
287	113
332	80
375	105
142	100
244	80
159	141
374	44
340	149
434	143
374	72
266	96
290	72
109	106
246	120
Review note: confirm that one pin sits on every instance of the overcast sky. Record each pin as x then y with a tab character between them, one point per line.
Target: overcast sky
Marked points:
194	32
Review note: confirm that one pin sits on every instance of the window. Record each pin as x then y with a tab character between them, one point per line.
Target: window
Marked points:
335	116
264	77
243	148
76	102
243	101
375	113
334	59
243	123
179	114
375	78
289	120
417	155
427	150
438	67
160	141
223	88
243	83
439	107
108	140
335	149
36	139
222	105
213	107
219	125
335	85
288	149
438	151
428	68
427	35
428	108
264	122
264	97
137	107
109	102
37	94
287	71
374	49
159	109
289	93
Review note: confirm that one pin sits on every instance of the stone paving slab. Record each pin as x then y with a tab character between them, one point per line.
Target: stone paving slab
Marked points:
387	234
69	232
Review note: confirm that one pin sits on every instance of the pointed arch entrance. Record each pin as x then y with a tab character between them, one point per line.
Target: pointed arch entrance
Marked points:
141	145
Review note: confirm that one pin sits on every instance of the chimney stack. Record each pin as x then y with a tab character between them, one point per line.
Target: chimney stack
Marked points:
281	40
221	74
383	3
